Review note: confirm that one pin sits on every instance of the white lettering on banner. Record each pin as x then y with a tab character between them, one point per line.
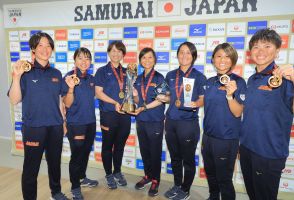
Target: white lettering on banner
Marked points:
68	13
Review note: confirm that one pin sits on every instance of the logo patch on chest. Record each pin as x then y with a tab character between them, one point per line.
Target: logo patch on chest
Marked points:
265	87
55	80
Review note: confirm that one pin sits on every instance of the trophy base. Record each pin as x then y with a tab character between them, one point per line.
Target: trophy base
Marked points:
127	107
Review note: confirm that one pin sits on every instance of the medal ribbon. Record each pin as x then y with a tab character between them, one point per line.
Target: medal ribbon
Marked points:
144	92
180	91
119	79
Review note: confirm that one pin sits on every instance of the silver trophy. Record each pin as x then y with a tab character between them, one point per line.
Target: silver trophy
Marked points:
128	104
162	88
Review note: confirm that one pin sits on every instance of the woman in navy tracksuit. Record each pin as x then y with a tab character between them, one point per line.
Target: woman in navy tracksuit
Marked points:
267	119
223	106
150	120
182	126
110	82
80	118
39	91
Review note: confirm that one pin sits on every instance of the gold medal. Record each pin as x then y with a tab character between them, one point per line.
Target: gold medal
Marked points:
275	81
224	79
26	66
188	87
178	103
121	94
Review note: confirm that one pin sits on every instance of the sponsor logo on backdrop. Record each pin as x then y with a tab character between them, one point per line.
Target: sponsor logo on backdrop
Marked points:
145	43
70	55
162	57
13	35
14	56
248	71
208	57
199	42
146	32
61	45
286	185
281	26
131	45
238	70
130	32
237	42
197	30
100	57
288	172
87	33
32	32
177	42
209	71
240	57
61	57
129	151
254	26
216	29
73	45
236	28
162	44
24	46
101	45
282	57
293	26
61	34
248	59
24	35
128	162
14	46
87	44
50	32
14	14
169	168
285	41
100	33
139	164
211	43
115	33
162	31
74	34
179	31
173	57
200	57
130	57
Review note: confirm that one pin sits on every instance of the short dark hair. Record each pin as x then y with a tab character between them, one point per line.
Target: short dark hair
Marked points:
147	50
35	40
119	45
82	50
267	35
192	49
229	50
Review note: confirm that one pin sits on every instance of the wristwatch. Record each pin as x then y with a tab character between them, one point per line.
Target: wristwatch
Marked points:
229	97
